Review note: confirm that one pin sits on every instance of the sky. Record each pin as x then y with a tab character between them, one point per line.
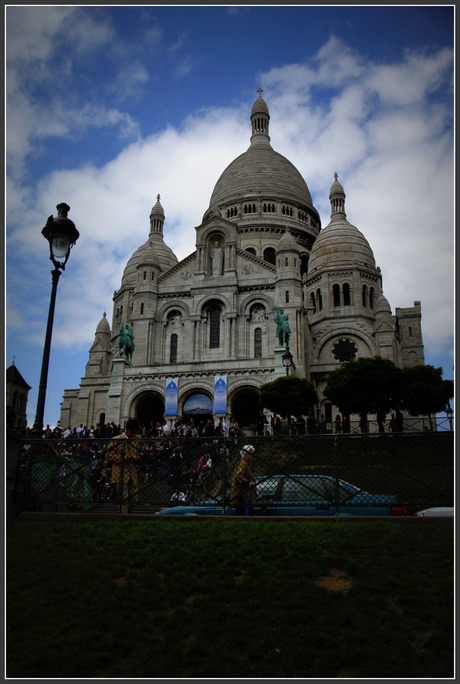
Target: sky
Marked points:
109	106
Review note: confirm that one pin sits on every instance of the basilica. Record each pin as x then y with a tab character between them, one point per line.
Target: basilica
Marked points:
198	337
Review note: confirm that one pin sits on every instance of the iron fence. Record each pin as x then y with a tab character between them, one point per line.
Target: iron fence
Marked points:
121	475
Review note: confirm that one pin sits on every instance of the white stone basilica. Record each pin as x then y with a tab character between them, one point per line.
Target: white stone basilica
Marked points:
260	248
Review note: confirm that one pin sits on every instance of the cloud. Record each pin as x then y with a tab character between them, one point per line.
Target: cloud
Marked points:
338	112
32	33
130	81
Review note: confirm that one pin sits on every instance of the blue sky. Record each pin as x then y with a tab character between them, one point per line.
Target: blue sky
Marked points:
109	106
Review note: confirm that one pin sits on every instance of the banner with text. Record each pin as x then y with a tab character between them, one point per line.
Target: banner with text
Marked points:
220	394
172	385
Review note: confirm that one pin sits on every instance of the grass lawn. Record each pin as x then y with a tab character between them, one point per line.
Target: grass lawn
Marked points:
198	598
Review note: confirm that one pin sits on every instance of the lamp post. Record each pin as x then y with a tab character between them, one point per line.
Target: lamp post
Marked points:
61	235
449	412
287	363
287	359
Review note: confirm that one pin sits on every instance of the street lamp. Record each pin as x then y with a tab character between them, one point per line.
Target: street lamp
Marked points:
287	363
287	359
61	235
449	412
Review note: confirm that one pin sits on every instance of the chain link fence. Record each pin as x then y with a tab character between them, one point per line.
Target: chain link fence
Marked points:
121	475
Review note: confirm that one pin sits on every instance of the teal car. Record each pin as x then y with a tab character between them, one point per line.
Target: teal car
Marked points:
303	495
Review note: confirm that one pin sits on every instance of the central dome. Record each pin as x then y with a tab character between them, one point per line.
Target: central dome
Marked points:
260	172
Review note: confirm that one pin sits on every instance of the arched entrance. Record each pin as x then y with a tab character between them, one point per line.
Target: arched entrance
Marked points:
150	408
245	408
199	407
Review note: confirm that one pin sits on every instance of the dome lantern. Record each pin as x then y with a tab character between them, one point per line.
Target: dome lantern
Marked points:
337	199
157	218
259	120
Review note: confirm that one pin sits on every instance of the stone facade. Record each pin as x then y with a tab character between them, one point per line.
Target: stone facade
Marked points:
259	248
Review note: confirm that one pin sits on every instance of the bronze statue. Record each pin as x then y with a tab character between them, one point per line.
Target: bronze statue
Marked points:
283	331
125	341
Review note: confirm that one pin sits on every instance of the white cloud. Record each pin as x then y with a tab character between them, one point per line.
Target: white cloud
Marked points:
393	154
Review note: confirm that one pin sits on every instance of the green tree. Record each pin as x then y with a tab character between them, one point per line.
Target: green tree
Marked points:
365	385
424	392
288	395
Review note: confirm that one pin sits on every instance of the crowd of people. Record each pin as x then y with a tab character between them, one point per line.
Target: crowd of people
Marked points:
182	428
115	469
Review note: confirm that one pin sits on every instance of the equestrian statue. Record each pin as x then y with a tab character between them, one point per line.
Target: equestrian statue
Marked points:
125	342
283	331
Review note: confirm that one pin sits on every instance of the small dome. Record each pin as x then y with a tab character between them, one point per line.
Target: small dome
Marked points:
153	252
259	106
382	305
103	327
157	209
288	243
336	187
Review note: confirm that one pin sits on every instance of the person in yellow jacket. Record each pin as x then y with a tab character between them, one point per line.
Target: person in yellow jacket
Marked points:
125	459
243	492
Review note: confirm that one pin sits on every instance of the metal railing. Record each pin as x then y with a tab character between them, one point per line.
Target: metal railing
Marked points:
120	475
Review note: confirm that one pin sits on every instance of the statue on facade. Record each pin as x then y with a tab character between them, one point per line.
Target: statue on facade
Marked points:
216	258
125	341
283	331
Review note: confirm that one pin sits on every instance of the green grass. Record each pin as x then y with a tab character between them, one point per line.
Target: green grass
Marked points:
197	598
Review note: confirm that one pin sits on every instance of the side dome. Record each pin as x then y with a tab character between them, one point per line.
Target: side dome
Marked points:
153	252
339	243
157	254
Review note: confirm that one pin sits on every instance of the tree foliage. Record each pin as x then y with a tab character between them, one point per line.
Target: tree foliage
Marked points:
424	390
288	395
365	385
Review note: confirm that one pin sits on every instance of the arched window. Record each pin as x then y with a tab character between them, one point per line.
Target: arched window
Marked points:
258	343
346	294
142	309
364	295
313	302
286	297
336	294
250	250
371	297
214	328
304	263
319	299
270	255
173	349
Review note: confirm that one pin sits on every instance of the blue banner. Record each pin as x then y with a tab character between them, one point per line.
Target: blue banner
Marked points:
220	394
171	396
